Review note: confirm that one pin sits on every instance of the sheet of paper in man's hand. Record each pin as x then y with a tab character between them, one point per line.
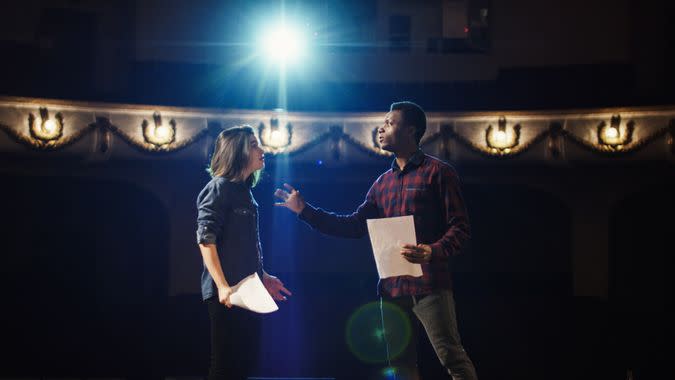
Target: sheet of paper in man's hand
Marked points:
250	294
387	236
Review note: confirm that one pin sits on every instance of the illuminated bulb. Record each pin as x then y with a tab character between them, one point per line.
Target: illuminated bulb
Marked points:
276	137
49	126
162	133
611	133
500	137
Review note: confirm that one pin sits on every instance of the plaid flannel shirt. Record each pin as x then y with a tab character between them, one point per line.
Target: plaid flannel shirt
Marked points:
426	188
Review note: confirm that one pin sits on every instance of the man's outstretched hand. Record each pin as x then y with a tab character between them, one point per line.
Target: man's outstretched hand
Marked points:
275	287
292	199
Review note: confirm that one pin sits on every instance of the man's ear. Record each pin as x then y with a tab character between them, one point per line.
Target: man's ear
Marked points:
411	131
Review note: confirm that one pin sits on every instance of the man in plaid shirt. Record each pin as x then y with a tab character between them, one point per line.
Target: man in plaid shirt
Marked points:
428	189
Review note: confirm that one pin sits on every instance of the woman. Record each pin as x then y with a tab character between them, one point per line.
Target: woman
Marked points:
229	242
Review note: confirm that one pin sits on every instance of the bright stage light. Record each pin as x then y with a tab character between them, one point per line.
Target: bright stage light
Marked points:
283	44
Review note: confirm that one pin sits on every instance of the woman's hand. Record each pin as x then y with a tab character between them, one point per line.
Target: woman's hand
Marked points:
274	287
224	295
292	199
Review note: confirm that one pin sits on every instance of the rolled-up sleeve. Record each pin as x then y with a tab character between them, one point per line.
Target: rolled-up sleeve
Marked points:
210	213
348	226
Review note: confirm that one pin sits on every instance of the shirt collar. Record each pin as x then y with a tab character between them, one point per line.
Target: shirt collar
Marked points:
415	160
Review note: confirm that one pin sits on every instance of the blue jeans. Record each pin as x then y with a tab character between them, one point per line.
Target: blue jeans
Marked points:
436	313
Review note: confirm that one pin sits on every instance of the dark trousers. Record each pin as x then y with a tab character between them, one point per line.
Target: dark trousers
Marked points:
235	339
436	315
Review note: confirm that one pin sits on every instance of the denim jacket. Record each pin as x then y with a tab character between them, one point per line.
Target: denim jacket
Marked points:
227	216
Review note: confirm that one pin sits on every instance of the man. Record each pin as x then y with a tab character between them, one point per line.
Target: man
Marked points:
428	189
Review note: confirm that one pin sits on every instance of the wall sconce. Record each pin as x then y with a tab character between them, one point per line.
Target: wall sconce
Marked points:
278	135
45	129
612	137
502	140
159	134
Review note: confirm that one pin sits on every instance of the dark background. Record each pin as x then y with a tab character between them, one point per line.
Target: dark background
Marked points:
85	284
84	270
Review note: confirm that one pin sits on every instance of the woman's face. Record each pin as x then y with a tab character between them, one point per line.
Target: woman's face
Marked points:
256	156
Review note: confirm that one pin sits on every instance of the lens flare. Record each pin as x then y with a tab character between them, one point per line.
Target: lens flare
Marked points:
367	338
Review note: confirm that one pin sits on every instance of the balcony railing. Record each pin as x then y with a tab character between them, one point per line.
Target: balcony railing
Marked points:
36	126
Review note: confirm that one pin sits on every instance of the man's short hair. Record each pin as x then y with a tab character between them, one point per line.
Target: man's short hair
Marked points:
414	115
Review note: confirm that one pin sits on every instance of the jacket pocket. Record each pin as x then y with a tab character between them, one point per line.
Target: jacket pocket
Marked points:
243	211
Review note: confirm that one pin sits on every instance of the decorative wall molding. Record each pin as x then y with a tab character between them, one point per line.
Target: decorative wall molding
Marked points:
59	126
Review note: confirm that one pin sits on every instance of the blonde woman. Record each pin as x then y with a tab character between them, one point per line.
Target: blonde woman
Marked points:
228	238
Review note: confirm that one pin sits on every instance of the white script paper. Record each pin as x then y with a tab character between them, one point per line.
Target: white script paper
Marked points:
250	294
387	236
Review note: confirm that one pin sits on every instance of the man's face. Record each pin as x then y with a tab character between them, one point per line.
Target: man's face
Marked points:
391	134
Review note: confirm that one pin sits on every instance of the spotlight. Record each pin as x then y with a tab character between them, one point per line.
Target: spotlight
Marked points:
283	44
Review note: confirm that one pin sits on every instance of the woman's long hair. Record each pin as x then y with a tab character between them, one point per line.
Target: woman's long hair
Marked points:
231	155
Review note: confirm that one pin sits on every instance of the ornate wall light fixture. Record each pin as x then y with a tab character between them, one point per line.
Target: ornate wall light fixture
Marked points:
159	134
45	129
613	137
502	140
278	135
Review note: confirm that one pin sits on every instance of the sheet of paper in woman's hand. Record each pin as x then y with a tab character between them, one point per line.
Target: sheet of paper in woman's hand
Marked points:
387	236
250	294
